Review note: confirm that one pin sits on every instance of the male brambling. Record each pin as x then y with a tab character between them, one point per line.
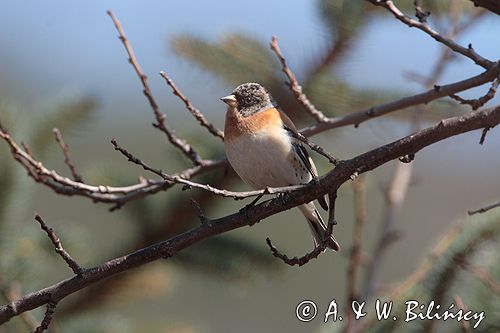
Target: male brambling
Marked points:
262	150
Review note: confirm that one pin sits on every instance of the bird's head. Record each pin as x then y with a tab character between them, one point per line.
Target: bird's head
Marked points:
249	98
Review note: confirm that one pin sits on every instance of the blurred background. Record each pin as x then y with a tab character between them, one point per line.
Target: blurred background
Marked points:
63	66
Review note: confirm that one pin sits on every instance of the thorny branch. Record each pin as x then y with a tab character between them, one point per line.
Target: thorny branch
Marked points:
326	184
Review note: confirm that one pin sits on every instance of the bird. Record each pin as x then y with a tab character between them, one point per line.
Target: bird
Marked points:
261	147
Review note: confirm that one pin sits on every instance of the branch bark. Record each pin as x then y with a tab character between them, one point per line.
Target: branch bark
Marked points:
330	182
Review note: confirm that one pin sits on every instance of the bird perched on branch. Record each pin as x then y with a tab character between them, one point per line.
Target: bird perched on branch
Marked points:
261	147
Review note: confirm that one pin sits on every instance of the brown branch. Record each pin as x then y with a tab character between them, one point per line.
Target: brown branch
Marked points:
482	275
478	102
319	248
173	179
119	196
67	158
161	118
357	118
484	209
326	184
317	148
59	248
465	51
201	216
47	318
483	135
295	86
461	306
421	14
491	5
296	260
12	292
355	255
194	111
98	193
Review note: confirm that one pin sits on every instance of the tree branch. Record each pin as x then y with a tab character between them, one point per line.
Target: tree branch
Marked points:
161	118
47	318
326	184
491	5
59	248
194	111
295	86
355	255
119	196
67	158
465	51
357	118
484	209
479	102
179	180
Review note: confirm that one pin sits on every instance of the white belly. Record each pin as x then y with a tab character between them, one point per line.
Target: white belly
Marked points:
262	160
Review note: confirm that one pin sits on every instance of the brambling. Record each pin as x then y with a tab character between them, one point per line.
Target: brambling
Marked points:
262	150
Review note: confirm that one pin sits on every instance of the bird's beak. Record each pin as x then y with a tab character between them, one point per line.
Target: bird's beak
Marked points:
229	100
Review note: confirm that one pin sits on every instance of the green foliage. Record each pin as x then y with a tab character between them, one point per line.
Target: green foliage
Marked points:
444	276
344	18
235	57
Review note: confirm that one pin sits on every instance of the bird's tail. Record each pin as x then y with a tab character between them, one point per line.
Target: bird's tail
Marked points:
317	226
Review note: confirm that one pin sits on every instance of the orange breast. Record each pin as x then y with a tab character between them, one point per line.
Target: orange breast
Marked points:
237	125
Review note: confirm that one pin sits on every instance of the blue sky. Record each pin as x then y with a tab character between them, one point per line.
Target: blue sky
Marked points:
57	48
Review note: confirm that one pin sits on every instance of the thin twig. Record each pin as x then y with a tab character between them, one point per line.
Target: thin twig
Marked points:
47	318
482	275
420	13
319	248
465	51
317	148
356	118
461	306
194	111
355	256
295	86
484	209
483	135
199	211
67	158
478	102
296	260
395	195
174	179
161	118
119	196
98	193
59	248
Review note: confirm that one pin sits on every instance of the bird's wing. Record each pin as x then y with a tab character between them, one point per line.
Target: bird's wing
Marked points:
302	152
